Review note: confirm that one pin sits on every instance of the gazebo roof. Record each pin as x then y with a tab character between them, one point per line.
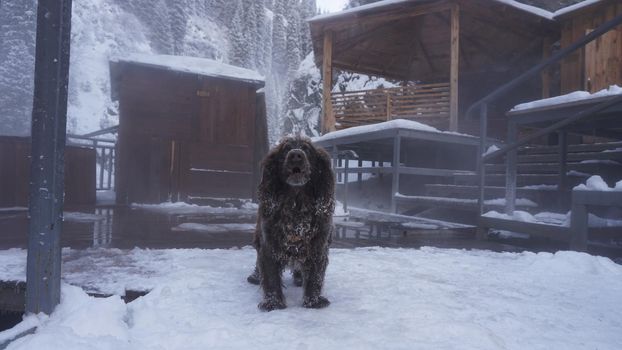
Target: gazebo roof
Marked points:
409	39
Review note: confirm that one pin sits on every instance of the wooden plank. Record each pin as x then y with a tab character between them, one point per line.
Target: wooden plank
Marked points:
433	171
454	66
546	74
559	233
328	124
598	198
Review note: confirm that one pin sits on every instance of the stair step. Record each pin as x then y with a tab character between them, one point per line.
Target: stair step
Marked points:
588	147
522	179
572	157
600	166
466	191
554	232
468	204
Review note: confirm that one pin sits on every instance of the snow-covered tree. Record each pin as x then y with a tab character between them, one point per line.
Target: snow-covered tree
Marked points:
293	38
241	48
17	51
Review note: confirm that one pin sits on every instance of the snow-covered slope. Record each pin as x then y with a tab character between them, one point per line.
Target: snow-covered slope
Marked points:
234	32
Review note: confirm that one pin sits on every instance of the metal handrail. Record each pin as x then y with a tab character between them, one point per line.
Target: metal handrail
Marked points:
105	155
483	103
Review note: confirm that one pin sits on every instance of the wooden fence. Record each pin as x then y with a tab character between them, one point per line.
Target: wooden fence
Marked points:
420	102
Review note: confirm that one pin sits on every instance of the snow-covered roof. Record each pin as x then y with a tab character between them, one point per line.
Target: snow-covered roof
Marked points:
576	7
392	124
196	65
380	4
575	96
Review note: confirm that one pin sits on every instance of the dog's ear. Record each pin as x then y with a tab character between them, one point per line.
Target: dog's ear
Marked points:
271	181
323	181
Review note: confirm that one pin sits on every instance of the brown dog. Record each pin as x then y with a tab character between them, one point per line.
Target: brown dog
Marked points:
294	224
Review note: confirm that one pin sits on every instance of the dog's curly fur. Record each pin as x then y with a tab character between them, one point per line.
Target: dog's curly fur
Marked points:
294	225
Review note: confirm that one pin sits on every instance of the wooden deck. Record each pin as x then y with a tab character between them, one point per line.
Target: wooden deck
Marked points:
402	153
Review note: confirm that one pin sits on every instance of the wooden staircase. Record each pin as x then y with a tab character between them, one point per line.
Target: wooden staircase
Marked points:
537	191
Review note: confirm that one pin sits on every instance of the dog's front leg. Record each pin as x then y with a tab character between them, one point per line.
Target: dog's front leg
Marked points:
313	280
270	270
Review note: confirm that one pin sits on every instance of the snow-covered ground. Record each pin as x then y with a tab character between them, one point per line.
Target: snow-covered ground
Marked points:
381	299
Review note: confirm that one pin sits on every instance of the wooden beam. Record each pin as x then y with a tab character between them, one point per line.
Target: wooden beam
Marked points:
454	67
546	74
328	122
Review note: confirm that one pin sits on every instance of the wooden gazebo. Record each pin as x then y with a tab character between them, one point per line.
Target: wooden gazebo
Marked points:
445	53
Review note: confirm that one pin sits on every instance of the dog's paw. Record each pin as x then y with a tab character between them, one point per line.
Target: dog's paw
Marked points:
316	302
271	304
254	277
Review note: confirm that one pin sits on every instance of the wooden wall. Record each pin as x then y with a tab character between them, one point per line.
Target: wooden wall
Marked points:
15	173
183	135
599	64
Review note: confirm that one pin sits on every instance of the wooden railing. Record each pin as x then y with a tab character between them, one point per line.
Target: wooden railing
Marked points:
422	102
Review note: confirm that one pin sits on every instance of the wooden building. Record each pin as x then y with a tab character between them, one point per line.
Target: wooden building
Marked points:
599	64
15	173
446	53
188	128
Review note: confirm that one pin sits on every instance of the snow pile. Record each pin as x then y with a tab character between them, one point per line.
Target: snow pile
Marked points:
491	149
381	299
339	210
571	97
596	183
81	217
519	201
201	66
178	208
540	218
213	228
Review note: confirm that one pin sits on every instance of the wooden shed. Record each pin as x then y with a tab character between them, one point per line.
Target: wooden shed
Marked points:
446	53
188	128
599	64
15	173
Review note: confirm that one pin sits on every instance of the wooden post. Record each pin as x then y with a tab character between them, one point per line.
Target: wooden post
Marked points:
578	226
454	67
546	74
388	105
328	122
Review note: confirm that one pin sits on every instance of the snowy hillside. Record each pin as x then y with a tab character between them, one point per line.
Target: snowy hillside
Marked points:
269	36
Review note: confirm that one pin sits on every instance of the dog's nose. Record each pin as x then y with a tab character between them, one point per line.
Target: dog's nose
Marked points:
296	155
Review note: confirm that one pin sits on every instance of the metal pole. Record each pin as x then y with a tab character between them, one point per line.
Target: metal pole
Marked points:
345	183
481	164
395	186
49	116
511	171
